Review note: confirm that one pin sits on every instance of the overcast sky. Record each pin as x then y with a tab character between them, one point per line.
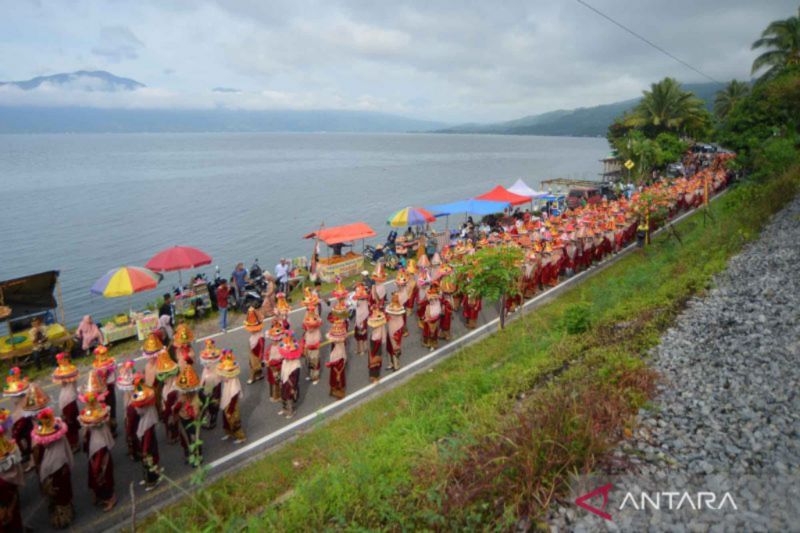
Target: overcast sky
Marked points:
446	60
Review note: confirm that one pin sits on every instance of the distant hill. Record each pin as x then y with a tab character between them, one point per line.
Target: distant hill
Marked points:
87	80
580	122
78	119
95	120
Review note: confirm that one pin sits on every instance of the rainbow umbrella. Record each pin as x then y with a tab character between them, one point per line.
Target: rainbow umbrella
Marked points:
125	281
410	216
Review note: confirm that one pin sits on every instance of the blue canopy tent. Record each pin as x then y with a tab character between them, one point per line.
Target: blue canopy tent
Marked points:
468	207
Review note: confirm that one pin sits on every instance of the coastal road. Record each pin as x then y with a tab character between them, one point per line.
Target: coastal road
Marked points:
262	424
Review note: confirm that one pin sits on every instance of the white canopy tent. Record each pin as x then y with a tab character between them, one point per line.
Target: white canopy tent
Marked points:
521	188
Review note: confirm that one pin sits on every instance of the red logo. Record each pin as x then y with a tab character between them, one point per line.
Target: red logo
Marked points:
581	501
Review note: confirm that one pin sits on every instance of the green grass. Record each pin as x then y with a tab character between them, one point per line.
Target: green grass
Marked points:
393	462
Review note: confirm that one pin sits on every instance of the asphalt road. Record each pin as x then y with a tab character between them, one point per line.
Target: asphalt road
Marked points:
262	424
259	417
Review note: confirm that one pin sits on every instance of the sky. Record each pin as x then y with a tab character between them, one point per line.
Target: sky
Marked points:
452	61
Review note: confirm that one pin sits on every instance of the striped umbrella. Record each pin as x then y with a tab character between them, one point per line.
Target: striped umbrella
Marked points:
410	216
125	281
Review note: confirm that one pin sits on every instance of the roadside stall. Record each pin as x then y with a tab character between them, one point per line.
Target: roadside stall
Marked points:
22	300
125	281
337	238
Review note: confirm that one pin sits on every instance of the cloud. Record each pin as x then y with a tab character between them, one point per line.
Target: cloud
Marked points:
117	44
451	61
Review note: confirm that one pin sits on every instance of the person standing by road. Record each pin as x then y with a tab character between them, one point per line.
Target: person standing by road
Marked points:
223	292
282	275
240	280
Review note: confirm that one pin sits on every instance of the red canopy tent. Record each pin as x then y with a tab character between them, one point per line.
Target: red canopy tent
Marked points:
501	194
340	234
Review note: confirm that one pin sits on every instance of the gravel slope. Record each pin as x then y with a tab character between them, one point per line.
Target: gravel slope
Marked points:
727	417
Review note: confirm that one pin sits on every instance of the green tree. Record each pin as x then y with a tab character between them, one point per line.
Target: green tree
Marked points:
493	274
733	93
770	112
782	41
667	107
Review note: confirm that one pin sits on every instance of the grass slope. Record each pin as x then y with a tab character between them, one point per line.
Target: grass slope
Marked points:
486	438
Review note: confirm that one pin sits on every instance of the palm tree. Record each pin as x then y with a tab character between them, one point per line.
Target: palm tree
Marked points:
667	107
728	97
782	38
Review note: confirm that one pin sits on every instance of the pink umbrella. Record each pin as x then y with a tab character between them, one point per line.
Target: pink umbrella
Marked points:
178	258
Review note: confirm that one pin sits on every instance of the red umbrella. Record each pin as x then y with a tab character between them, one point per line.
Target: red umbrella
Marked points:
178	258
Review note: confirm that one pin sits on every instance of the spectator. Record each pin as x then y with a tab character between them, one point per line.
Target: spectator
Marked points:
167	309
282	276
239	279
223	291
41	344
88	335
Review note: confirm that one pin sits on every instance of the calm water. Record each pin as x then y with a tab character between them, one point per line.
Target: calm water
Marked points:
84	204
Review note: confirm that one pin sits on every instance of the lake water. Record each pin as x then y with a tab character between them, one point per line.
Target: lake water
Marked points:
84	204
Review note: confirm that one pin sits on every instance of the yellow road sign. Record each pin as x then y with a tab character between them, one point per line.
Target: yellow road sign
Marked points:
629	164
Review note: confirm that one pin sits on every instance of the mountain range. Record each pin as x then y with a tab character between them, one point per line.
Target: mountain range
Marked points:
23	118
580	122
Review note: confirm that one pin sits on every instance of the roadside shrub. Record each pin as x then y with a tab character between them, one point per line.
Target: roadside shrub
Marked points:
577	318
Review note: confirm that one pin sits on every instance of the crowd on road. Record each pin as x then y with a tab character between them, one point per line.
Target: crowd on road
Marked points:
429	293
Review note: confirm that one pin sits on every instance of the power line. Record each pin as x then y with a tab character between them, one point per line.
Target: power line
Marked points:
651	43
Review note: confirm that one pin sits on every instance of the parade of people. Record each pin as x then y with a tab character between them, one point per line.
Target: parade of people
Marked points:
186	393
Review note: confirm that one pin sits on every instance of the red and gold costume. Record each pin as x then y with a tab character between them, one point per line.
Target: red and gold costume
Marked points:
291	352
274	360
431	317
377	321
143	399
211	383
232	393
255	325
12	478
53	458
338	359
99	443
395	331
311	343
65	375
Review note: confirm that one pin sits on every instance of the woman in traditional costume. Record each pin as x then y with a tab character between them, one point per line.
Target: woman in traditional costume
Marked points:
431	318
211	383
125	385
166	370
402	293
360	331
338	359
311	343
232	394
254	325
471	305
396	326
188	412
377	296
275	360
290	373
65	375
12	478
106	368
184	353
143	399
18	386
53	457
377	321
99	443
448	287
